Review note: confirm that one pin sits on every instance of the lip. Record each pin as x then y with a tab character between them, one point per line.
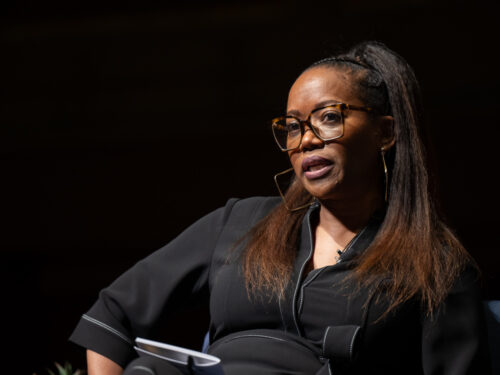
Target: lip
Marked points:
314	160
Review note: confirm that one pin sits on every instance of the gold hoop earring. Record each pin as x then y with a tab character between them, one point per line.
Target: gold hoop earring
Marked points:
283	196
386	173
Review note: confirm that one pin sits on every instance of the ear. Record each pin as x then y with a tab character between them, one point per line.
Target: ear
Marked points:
387	136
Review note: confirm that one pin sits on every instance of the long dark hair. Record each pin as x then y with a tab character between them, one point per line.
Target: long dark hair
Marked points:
414	246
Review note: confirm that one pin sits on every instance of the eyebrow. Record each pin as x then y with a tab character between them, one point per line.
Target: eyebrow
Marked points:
324	103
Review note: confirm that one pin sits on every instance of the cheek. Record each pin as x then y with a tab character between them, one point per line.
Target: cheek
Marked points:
360	165
360	151
295	161
355	162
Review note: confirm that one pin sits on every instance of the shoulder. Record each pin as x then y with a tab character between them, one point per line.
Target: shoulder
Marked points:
468	279
249	210
258	203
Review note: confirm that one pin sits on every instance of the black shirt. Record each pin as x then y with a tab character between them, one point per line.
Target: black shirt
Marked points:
322	323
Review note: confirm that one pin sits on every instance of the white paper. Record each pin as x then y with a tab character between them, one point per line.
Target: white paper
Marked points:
174	353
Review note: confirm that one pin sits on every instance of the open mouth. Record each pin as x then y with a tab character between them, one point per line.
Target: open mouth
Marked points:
316	167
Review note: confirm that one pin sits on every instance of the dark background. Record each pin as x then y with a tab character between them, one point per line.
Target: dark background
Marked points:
122	122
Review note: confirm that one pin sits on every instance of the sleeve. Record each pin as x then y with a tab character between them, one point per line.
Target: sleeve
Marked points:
136	302
454	338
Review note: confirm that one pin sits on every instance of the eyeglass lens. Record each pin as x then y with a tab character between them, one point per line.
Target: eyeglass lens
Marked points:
327	123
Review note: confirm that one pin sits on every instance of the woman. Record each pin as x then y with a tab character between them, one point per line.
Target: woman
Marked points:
352	273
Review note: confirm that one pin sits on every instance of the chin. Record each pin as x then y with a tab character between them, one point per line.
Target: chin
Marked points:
321	190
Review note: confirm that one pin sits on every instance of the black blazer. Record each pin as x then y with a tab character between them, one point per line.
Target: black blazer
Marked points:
322	324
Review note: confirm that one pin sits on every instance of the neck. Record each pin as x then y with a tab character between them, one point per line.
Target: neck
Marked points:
342	220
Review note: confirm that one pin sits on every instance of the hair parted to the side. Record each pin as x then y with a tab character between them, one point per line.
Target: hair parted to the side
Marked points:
414	247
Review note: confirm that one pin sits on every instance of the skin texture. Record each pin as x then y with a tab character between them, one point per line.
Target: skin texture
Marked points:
100	365
352	189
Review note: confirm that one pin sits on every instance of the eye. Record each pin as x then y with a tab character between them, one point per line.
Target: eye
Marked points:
331	118
293	126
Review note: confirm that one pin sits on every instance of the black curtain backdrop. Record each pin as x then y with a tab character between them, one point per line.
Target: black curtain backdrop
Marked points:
123	122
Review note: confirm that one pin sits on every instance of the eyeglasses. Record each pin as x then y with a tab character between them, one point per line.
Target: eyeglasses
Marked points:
327	123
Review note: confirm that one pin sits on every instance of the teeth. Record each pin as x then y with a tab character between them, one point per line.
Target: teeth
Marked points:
316	167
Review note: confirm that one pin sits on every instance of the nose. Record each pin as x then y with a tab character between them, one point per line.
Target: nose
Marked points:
309	140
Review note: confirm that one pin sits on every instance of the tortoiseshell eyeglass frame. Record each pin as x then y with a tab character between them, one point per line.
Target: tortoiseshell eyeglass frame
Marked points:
342	107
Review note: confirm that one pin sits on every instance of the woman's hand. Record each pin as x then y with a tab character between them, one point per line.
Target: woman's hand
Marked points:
100	365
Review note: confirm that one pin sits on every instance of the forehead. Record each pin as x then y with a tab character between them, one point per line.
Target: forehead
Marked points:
320	84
